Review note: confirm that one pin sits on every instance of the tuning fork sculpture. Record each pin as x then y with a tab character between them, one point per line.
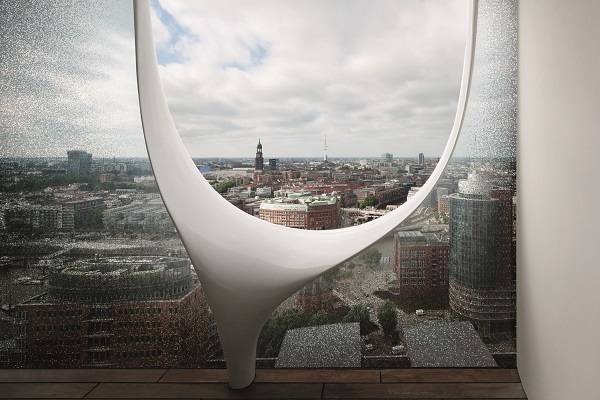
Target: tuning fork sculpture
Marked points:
244	282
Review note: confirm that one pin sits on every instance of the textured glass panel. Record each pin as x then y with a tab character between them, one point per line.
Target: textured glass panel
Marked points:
92	273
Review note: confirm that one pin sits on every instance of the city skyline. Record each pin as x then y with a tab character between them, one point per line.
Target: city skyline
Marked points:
92	231
237	77
365	77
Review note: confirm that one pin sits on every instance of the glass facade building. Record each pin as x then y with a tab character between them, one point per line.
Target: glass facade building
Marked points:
481	279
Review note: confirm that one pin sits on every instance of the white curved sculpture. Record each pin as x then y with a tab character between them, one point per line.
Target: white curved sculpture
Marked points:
244	282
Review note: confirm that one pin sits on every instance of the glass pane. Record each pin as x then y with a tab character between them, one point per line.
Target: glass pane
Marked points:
356	100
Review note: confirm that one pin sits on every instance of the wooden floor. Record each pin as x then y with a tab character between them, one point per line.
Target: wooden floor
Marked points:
269	384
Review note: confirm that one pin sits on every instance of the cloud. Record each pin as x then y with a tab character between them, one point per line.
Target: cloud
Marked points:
375	77
69	81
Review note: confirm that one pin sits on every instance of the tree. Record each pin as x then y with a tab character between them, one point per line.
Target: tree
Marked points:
320	318
360	314
370	201
387	317
225	186
273	333
371	257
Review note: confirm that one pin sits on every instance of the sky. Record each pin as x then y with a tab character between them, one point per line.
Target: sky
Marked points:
372	77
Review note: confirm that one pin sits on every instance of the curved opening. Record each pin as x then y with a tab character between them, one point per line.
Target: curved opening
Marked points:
300	97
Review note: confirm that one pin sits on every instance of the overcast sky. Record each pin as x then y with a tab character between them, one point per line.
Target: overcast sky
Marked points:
374	77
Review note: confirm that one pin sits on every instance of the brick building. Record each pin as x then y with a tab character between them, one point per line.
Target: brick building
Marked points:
118	312
385	194
421	265
307	212
443	204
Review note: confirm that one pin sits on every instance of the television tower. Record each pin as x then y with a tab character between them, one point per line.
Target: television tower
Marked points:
325	149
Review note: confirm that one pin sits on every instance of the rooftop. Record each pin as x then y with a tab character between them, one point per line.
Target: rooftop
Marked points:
325	346
447	344
417	238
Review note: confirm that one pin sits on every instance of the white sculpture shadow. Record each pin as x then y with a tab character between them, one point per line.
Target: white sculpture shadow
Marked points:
247	266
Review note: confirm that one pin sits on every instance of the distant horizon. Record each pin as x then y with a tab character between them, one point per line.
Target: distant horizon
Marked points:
329	158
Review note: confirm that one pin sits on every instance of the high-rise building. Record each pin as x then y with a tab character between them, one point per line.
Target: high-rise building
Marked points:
118	312
421	265
421	159
78	162
272	164
482	288
387	158
258	161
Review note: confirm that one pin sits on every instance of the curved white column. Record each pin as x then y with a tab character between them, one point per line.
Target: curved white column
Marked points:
244	282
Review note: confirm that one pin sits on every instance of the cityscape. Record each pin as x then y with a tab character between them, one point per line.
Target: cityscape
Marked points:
93	274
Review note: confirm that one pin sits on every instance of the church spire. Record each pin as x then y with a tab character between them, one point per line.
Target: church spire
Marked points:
258	161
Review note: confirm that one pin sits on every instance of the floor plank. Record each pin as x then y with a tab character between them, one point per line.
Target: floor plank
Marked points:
275	376
45	390
440	384
322	375
205	391
424	391
449	375
81	375
196	376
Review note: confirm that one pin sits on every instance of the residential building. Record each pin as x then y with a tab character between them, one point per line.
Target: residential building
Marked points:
421	265
22	218
306	212
444	204
150	215
118	312
75	214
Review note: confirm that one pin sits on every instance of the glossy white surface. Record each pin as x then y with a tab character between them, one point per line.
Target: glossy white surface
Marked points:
247	266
